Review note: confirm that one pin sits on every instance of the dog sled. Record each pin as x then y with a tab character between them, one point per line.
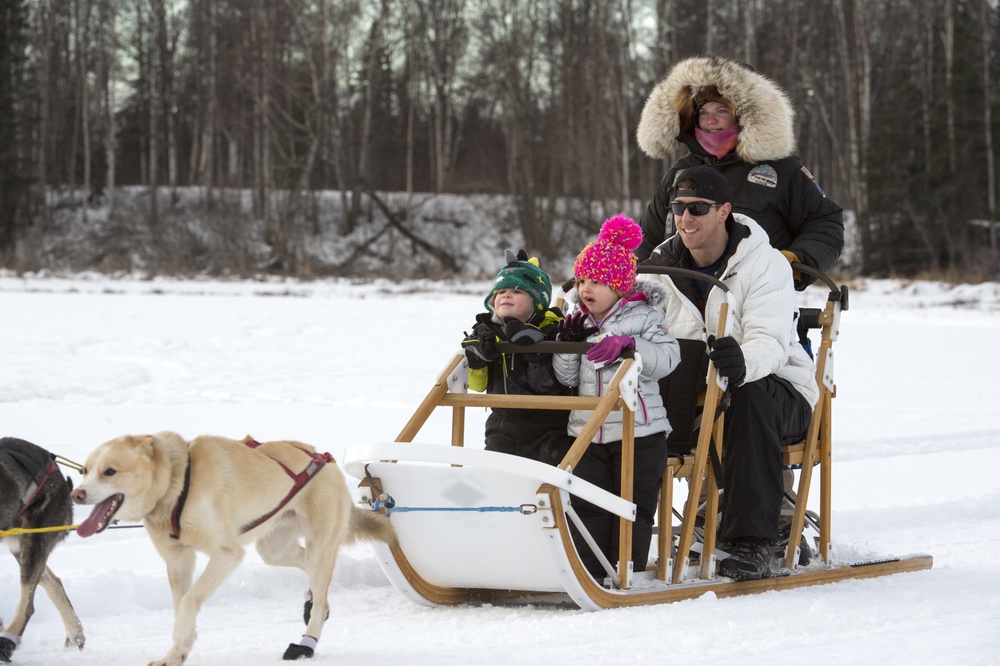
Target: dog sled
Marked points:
480	526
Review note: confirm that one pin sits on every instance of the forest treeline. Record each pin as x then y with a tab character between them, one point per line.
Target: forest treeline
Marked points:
896	100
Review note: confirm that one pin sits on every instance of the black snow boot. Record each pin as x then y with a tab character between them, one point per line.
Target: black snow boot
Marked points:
749	559
805	552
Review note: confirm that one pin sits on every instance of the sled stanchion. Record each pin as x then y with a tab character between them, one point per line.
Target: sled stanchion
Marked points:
431	401
818	439
826	484
712	395
458	425
605	405
711	505
624	526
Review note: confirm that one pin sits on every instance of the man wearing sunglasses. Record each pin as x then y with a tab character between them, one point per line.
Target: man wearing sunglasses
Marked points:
772	389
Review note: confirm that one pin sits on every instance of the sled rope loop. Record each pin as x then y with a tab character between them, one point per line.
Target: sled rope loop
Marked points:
382	498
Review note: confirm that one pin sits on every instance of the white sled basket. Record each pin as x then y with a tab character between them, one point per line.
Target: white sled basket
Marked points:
476	520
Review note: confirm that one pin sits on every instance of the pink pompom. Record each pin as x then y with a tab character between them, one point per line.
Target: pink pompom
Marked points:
621	230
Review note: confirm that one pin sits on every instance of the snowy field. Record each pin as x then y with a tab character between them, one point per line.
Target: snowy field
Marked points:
916	451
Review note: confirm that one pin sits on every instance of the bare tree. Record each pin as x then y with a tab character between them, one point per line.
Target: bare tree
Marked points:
208	114
446	38
83	97
853	29
991	194
511	32
363	174
43	37
107	44
317	63
260	90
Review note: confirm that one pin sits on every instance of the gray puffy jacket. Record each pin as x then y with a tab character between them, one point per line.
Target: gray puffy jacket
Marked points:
634	315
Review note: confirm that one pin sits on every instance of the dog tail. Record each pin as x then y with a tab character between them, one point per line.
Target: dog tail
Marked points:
368	525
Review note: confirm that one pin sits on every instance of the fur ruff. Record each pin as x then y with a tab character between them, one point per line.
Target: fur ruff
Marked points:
763	110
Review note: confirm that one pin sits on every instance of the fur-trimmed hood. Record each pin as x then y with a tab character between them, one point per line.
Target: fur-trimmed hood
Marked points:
763	110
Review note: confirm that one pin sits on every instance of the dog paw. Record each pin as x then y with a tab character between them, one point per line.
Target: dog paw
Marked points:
75	642
296	651
6	649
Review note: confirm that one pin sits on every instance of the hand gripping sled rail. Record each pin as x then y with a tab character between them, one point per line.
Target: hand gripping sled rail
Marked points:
475	525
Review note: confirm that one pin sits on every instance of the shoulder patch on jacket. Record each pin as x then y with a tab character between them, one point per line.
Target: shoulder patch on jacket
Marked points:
810	177
763	174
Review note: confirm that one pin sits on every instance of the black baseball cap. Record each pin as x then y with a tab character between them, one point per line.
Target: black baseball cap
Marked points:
709	184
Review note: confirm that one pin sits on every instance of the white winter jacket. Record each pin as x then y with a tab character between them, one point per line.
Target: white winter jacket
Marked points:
635	315
763	308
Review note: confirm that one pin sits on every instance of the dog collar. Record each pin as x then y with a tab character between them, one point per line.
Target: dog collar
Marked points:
175	517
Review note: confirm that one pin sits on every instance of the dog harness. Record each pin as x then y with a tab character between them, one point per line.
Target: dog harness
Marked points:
299	480
175	516
38	480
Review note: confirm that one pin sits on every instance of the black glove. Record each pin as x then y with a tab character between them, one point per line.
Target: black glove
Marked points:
519	333
481	349
728	359
574	328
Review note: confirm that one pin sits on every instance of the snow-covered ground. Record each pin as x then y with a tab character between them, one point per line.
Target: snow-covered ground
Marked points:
917	449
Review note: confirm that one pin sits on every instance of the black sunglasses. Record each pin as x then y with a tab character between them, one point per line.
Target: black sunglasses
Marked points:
697	208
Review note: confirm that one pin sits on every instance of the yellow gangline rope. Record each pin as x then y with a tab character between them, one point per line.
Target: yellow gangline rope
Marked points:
32	530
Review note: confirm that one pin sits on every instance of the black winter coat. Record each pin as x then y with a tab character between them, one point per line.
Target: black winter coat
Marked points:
794	212
523	432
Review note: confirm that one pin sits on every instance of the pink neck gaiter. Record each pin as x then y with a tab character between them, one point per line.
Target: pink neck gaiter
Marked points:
718	143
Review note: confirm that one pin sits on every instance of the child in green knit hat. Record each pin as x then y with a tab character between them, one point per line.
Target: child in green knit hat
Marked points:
518	311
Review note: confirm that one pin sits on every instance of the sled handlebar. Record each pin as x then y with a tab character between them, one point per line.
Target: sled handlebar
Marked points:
553	347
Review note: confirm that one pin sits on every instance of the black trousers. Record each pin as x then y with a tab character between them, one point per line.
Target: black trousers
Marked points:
601	465
762	416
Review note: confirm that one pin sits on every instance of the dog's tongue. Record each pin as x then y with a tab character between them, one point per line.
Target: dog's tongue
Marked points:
100	517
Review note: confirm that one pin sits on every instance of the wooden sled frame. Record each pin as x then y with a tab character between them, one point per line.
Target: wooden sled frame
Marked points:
548	510
814	450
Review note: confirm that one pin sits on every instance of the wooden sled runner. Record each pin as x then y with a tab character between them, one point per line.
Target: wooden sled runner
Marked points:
479	526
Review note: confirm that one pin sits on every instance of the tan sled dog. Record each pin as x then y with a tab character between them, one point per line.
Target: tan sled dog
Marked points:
218	495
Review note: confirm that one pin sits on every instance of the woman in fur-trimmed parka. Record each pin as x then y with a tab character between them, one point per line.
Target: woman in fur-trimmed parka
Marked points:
754	151
616	313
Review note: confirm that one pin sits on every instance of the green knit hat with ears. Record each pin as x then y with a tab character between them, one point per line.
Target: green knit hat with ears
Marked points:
523	274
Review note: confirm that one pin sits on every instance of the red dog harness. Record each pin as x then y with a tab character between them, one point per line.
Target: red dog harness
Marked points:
31	492
299	480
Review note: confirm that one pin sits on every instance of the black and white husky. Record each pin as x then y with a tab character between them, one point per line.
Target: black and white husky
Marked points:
34	494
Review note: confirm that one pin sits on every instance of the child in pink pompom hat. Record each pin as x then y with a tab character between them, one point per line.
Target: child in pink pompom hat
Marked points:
617	312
